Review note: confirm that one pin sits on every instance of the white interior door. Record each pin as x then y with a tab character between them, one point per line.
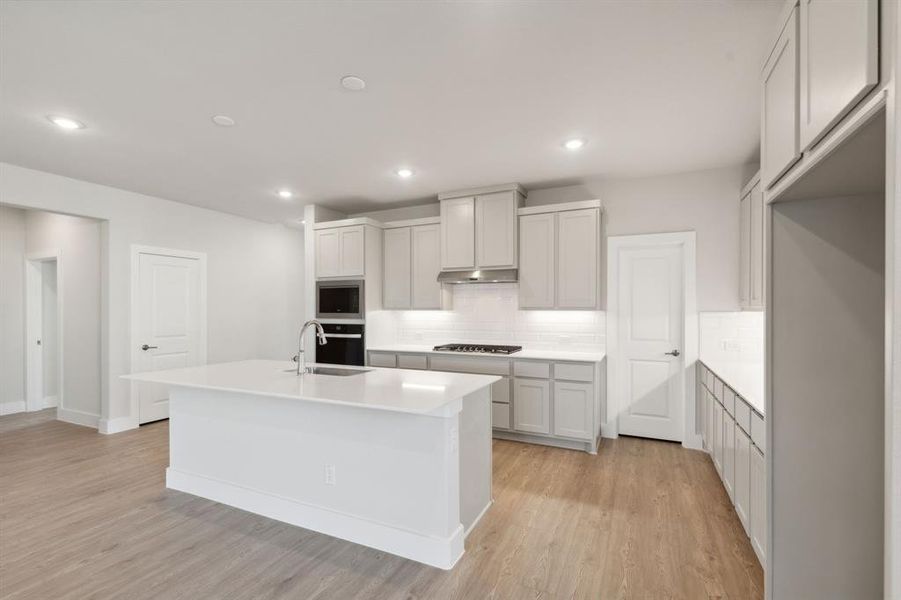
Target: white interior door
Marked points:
651	303
169	319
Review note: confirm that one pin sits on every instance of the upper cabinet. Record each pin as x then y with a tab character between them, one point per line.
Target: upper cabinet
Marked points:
411	266
496	229
341	251
780	148
479	228
824	62
559	256
839	61
751	246
458	233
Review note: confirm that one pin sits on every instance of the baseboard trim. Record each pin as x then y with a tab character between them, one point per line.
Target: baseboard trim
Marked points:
11	407
51	401
117	425
441	552
516	436
77	417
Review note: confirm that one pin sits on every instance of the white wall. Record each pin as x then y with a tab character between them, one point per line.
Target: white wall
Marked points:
12	310
78	241
706	202
50	332
255	272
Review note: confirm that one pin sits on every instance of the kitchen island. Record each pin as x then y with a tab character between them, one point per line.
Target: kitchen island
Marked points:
398	460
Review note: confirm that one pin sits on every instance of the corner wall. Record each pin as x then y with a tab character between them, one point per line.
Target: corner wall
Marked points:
12	310
254	279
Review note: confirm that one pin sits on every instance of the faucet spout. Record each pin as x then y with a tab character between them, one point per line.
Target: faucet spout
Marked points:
320	333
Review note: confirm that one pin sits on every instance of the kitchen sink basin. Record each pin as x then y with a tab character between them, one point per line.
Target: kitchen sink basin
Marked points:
334	371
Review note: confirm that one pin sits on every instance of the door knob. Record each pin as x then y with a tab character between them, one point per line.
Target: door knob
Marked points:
145	347
674	353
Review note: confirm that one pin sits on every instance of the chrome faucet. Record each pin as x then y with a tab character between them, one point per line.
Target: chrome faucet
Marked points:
320	333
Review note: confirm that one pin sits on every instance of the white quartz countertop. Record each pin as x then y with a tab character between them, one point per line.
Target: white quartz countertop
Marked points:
745	378
525	353
397	390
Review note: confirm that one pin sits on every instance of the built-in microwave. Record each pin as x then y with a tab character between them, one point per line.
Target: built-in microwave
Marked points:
339	299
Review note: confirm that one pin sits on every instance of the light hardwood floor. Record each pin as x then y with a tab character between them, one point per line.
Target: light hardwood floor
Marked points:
83	515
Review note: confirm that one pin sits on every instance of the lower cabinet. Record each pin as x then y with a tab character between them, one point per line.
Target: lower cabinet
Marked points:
718	436
536	401
737	454
729	455
531	405
758	504
573	409
500	415
741	494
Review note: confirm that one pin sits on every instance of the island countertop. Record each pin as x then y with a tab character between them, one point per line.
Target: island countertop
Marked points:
396	390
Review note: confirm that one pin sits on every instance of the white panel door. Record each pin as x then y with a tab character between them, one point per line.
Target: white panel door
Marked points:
328	253
396	273
577	258
531	405
496	230
353	251
756	248
169	312
839	61
537	260
458	233
780	146
651	313
573	409
426	244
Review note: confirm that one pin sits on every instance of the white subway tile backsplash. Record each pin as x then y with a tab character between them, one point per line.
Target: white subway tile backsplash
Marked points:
732	336
489	313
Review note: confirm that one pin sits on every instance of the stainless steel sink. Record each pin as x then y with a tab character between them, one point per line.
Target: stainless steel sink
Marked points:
335	371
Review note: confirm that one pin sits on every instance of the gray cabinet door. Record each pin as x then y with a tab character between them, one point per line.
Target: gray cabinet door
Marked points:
532	405
780	148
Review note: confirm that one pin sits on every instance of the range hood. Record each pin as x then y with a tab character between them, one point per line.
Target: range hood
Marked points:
480	276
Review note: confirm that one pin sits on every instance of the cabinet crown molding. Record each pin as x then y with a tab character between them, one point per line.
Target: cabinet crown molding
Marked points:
559	207
506	187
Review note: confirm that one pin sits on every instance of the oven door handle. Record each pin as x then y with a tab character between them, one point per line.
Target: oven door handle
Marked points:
351	336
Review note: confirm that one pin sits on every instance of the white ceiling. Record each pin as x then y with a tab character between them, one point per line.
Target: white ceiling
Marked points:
465	94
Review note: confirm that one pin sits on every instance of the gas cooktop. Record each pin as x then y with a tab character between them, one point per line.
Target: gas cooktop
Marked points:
483	348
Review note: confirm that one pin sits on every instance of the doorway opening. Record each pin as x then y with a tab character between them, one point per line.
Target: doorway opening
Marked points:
44	316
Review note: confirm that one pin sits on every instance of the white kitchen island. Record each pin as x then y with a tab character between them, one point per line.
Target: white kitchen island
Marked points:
398	460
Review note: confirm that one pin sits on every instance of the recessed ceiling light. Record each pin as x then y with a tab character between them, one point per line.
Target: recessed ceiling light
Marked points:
223	121
404	173
574	144
352	83
285	194
65	122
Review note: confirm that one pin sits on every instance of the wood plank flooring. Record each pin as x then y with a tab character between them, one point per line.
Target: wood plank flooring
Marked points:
84	515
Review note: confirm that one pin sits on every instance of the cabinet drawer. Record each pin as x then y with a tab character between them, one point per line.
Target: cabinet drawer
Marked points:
500	415
574	372
382	359
742	415
539	370
758	431
412	361
729	401
468	364
500	391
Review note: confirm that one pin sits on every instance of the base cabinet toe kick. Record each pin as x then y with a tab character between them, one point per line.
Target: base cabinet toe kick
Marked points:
735	436
548	402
